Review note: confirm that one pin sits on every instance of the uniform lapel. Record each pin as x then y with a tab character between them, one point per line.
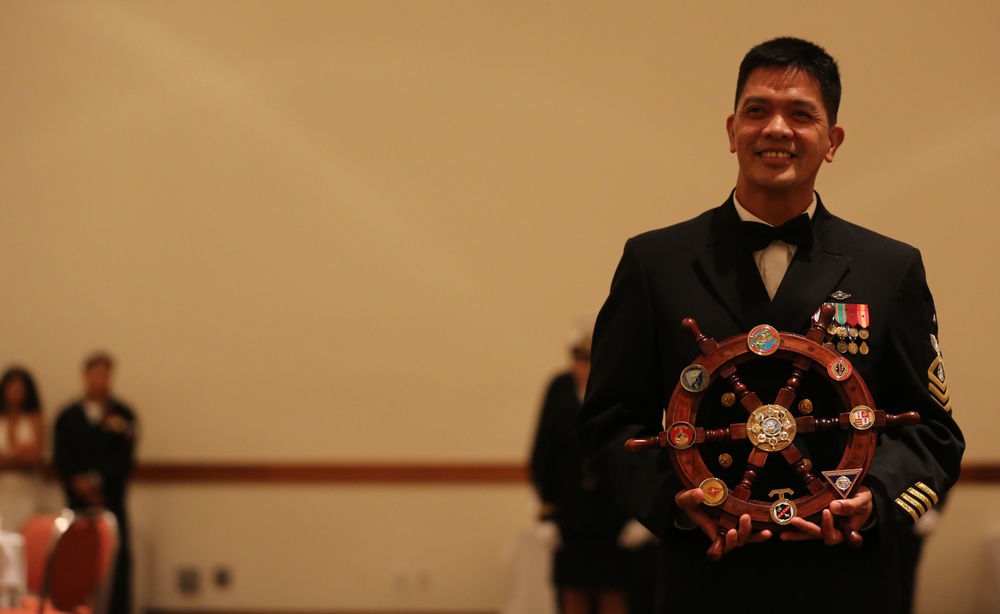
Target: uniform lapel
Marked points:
812	275
729	270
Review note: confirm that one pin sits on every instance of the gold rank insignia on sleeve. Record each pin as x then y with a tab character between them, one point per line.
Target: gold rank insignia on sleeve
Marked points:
917	500
936	378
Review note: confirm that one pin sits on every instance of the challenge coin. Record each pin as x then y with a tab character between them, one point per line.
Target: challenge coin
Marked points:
715	490
763	340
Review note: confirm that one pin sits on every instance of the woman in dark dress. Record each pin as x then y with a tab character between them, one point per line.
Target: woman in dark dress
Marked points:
583	524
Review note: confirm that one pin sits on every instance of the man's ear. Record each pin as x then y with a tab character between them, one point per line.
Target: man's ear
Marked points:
729	130
836	139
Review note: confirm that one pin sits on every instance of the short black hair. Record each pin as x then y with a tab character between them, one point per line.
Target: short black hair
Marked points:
789	52
98	358
32	403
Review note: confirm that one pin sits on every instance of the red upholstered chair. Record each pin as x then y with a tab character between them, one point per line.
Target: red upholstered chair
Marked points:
41	534
78	563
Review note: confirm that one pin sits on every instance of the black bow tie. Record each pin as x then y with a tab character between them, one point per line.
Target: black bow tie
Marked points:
796	231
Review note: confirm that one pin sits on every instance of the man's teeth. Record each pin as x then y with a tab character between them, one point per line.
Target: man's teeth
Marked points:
776	154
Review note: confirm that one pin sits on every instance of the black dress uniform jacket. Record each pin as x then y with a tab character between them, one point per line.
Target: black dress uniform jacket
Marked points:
702	269
106	449
589	520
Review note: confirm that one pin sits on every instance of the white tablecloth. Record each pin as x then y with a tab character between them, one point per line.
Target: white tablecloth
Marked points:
529	567
13	580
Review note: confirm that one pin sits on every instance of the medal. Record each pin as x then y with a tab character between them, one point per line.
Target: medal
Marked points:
839	369
770	428
862	417
681	435
694	378
715	491
840	313
783	510
842	480
849	324
864	320
763	340
851	317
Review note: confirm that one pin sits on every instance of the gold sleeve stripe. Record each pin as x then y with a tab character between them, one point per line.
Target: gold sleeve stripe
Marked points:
927	489
937	386
933	384
941	396
919	495
909	510
916	504
938	393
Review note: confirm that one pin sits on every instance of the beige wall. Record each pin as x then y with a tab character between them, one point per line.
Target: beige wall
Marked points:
330	231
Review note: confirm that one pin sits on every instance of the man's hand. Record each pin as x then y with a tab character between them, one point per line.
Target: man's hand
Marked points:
83	484
548	535
858	509
634	536
688	502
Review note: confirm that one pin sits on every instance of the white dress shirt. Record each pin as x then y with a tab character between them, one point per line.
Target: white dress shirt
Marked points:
773	260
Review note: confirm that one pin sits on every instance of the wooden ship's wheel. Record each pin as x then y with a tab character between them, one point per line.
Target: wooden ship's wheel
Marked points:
770	430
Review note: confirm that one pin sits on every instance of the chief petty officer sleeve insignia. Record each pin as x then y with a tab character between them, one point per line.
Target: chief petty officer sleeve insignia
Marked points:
917	500
935	378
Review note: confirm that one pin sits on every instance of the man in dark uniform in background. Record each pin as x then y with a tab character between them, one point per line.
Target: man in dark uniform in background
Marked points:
716	269
602	560
94	455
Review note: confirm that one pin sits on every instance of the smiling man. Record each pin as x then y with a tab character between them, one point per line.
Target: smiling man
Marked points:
773	253
781	134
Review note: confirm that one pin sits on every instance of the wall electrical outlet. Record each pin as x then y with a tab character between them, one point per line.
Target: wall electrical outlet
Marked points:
222	576
188	580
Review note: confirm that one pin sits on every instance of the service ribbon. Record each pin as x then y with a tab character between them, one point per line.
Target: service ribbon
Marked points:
863	316
852	313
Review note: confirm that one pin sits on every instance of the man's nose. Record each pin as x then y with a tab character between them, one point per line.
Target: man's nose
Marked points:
777	127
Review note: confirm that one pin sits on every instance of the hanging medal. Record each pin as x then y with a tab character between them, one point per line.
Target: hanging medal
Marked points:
840	316
851	315
831	328
864	319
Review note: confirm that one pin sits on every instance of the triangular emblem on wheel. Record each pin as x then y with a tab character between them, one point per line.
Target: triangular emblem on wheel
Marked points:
842	480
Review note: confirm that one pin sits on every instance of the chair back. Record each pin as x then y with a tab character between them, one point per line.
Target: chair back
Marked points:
79	565
108	544
41	534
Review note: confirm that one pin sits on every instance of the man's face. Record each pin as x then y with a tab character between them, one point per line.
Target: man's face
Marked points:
780	133
97	380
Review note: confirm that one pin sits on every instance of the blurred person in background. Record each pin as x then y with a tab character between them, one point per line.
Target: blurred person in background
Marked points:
595	562
21	438
94	455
